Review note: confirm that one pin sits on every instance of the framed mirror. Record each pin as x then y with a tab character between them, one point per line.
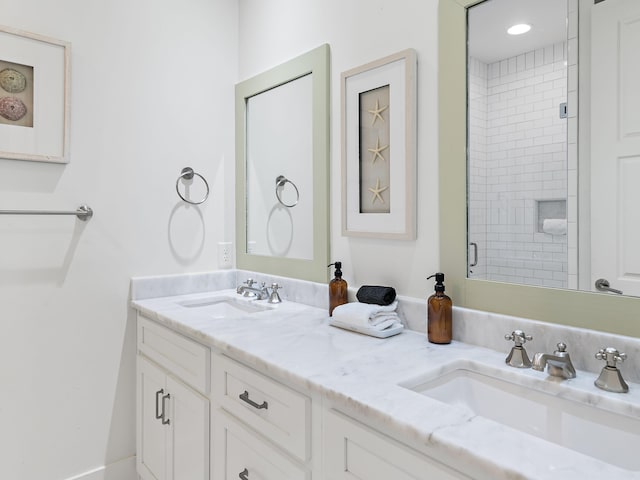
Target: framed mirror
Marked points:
282	165
600	311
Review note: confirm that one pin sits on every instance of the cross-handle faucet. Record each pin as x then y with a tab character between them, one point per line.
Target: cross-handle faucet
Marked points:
247	289
558	365
610	378
518	356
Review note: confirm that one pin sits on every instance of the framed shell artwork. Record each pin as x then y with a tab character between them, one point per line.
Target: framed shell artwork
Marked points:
34	97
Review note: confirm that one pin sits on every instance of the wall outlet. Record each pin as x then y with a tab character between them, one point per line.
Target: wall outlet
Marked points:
225	255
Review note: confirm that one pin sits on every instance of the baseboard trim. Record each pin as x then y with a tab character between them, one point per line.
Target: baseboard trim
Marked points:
124	469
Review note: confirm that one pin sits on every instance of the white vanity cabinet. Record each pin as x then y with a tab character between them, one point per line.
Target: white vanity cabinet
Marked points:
261	428
354	451
172	406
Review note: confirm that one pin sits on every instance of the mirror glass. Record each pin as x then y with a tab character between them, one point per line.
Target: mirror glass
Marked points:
552	169
280	144
282	162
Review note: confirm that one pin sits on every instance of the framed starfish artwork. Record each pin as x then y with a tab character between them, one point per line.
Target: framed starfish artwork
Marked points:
34	97
379	148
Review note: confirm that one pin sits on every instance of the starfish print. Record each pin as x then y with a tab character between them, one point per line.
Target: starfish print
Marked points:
377	151
376	192
376	113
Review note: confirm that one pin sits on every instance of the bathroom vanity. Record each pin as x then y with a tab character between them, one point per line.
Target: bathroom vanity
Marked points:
230	387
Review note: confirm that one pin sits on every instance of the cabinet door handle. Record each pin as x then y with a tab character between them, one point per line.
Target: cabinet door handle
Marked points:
158	393
245	398
244	475
165	421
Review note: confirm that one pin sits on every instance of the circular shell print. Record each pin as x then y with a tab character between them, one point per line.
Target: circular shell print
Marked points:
12	81
12	108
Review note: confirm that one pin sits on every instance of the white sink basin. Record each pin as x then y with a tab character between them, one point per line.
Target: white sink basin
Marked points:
610	437
225	307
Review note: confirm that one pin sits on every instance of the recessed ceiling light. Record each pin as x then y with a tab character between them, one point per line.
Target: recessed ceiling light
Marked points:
518	29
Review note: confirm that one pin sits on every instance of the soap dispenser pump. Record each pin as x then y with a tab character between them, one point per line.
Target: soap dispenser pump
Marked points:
439	313
337	289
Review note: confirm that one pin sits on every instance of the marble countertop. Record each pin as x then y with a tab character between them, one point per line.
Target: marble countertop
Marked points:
294	342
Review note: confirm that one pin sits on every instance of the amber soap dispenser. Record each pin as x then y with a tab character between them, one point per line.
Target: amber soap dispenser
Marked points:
439	307
337	289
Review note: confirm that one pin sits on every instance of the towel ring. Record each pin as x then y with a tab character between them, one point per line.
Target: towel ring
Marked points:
281	180
188	173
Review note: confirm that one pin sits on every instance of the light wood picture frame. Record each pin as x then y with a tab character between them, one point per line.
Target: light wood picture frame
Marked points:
34	97
379	148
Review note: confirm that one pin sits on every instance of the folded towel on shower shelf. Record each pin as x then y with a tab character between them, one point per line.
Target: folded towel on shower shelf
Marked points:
367	315
555	226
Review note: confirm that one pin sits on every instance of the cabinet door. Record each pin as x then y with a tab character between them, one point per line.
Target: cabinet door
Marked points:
151	456
355	452
188	454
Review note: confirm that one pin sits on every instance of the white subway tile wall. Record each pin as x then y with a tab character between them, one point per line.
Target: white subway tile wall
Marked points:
517	157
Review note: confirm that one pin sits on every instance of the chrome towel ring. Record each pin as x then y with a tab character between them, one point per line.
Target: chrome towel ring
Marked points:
281	180
188	173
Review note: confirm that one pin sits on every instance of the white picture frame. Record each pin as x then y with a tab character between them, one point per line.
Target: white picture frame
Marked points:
395	217
45	63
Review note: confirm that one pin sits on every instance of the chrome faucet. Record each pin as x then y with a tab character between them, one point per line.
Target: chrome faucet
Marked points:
558	365
247	289
610	378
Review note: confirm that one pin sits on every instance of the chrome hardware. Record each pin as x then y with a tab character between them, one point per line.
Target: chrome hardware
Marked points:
165	421
187	173
244	475
558	365
83	212
158	393
247	289
245	398
275	296
281	181
602	285
475	254
518	357
564	113
610	378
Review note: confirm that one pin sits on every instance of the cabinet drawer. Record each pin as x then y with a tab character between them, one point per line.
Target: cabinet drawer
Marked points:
186	359
279	413
354	451
247	456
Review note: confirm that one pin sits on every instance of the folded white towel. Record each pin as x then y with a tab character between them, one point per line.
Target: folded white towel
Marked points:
555	226
367	314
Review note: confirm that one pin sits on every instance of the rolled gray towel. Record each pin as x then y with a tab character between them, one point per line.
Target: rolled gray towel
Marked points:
376	294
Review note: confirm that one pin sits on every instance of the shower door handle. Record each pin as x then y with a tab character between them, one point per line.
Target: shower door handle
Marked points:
475	254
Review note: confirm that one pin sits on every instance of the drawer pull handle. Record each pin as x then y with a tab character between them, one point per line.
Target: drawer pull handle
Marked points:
158	393
244	475
165	421
245	398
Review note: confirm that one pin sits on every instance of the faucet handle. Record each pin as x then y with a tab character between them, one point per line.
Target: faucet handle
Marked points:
519	337
610	378
249	283
518	356
275	297
611	356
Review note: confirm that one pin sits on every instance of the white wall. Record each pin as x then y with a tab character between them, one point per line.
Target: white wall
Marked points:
360	31
152	91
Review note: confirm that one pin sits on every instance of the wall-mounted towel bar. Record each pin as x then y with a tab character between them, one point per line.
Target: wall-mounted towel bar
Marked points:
83	212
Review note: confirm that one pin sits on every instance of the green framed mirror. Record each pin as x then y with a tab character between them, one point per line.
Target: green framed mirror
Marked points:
604	312
282	169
